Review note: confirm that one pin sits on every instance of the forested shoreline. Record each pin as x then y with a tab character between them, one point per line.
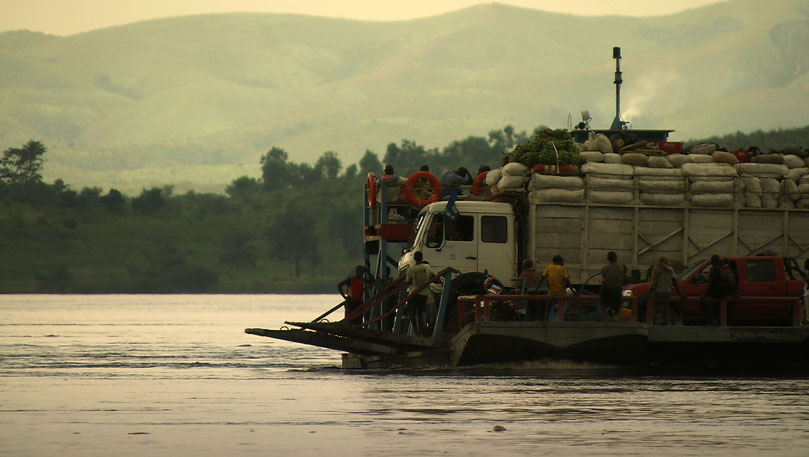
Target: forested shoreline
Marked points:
297	229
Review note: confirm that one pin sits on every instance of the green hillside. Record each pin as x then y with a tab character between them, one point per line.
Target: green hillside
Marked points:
194	101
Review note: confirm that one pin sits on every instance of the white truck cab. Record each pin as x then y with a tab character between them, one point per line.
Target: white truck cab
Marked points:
482	238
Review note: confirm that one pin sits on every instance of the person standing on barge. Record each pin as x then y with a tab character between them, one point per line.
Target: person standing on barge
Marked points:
353	291
417	276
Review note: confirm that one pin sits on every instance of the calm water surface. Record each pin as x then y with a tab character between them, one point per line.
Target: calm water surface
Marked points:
175	375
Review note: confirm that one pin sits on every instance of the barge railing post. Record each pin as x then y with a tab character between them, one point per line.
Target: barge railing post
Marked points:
560	309
442	308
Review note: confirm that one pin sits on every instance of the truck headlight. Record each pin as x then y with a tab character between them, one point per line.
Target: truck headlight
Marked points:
628	293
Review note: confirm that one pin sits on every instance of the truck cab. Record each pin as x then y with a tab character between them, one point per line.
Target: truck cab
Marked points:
480	238
756	276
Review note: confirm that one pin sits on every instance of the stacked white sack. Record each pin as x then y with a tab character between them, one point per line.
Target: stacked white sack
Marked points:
661	186
610	183
710	184
762	184
513	176
803	188
555	189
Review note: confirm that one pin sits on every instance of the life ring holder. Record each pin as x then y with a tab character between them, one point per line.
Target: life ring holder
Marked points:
372	190
478	181
411	196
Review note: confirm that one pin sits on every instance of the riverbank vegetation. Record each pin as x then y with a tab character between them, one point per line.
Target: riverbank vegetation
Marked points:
298	228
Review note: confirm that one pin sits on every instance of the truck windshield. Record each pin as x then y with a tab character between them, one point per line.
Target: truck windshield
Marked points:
411	241
693	268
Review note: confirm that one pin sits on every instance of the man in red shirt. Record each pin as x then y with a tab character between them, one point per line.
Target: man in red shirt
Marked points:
355	291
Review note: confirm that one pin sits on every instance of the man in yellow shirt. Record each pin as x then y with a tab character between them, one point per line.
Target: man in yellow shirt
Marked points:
417	276
557	278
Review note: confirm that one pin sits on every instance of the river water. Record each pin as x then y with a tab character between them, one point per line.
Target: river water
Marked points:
175	375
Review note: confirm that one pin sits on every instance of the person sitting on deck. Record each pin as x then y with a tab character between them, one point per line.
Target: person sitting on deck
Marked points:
354	293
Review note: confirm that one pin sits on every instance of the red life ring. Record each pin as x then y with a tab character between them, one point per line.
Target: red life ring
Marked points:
478	182
371	190
412	198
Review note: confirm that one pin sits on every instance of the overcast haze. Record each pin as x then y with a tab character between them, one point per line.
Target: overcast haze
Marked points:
66	17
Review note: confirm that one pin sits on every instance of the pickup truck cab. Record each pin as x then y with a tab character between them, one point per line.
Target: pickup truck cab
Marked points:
481	238
759	276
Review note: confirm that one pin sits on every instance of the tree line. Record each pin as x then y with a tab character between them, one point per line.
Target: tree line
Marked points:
296	228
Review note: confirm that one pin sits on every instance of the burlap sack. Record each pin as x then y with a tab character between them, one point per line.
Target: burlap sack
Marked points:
752	199
771	189
703	148
559	195
769	158
661	186
665	199
701	158
708	170
762	170
612	158
720	200
793	161
659	172
556	182
679	159
751	184
710	186
634	158
610	197
510	182
604	144
615	170
493	176
592	156
599	183
791	190
724	157
514	169
796	173
659	162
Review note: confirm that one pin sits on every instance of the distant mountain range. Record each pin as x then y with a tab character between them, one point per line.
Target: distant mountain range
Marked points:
195	101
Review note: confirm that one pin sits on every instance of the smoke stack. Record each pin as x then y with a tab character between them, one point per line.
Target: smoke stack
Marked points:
617	123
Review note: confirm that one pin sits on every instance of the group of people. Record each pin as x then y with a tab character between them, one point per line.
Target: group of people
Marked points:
663	285
353	289
449	180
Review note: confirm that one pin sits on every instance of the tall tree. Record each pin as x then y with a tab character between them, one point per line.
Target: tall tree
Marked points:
243	188
370	162
21	166
328	165
292	237
275	169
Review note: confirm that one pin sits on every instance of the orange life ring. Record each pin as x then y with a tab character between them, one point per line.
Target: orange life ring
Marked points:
412	198
371	190
478	182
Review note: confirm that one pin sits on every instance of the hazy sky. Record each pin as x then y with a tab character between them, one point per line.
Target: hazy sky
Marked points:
65	17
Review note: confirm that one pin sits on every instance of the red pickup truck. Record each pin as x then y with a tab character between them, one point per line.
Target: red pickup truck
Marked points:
759	276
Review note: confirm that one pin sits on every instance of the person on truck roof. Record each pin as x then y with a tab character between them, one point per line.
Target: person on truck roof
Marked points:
393	183
612	279
557	277
451	179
